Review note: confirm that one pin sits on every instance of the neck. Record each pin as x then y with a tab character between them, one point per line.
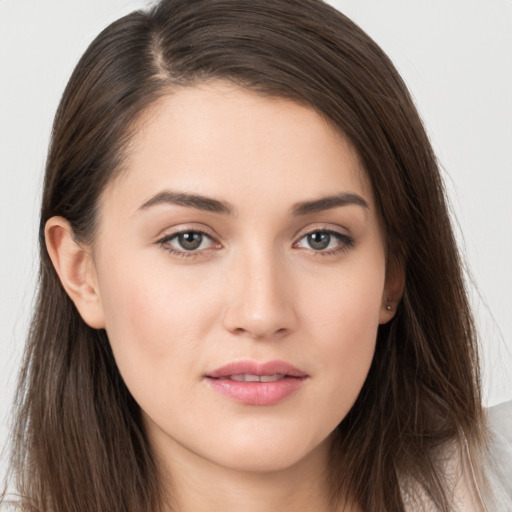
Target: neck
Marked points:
199	485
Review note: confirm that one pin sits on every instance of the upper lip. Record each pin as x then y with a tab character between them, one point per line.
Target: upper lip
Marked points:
256	368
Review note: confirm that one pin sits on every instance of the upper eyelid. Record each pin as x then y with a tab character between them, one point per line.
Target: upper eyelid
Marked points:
182	231
167	238
323	230
165	242
177	230
337	230
341	236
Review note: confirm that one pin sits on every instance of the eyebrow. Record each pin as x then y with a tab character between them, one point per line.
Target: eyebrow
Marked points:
190	200
326	203
209	204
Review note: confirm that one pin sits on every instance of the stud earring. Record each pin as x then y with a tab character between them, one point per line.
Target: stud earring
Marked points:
388	305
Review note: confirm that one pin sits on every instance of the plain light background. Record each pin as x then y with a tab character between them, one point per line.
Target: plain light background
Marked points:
455	56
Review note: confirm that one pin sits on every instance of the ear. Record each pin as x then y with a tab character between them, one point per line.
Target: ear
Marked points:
75	269
393	290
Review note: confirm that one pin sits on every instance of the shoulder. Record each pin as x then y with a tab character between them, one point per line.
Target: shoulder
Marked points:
457	477
499	419
474	483
497	462
9	506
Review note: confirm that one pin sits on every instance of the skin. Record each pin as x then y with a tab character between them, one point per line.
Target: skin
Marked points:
255	289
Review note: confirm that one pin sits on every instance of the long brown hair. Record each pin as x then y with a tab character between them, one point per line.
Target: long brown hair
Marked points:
79	443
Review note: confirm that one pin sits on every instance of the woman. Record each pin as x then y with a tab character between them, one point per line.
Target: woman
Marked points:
250	291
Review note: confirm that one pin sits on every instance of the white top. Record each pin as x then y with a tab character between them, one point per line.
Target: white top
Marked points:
498	464
468	494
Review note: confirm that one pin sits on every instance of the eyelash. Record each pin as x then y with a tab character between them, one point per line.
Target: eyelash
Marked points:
163	242
345	243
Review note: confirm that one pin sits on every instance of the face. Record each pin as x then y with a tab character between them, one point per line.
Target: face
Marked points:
241	268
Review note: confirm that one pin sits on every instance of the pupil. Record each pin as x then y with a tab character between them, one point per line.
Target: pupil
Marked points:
190	241
318	240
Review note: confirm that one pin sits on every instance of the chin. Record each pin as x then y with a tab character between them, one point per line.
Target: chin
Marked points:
268	454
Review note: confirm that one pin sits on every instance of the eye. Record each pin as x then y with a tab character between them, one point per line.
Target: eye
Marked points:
187	242
325	241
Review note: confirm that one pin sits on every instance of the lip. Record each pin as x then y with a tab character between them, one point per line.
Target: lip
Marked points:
256	393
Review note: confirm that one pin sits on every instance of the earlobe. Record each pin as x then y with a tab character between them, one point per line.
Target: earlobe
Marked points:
75	269
393	290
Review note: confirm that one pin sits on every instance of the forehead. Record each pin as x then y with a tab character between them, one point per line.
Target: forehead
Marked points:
224	141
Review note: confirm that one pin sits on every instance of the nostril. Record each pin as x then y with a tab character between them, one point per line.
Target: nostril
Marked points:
259	335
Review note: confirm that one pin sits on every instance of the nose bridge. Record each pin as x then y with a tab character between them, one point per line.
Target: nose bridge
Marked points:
261	301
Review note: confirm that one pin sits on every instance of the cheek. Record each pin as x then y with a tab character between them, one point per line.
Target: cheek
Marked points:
344	317
154	322
347	306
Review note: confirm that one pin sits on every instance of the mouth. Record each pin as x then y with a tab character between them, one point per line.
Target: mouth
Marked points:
249	377
253	371
257	384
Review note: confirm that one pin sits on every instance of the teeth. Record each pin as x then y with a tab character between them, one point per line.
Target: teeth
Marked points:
245	377
249	377
271	378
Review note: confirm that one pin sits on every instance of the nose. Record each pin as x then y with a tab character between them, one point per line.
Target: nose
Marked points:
261	303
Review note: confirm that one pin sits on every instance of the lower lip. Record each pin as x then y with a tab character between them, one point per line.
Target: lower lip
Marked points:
257	393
